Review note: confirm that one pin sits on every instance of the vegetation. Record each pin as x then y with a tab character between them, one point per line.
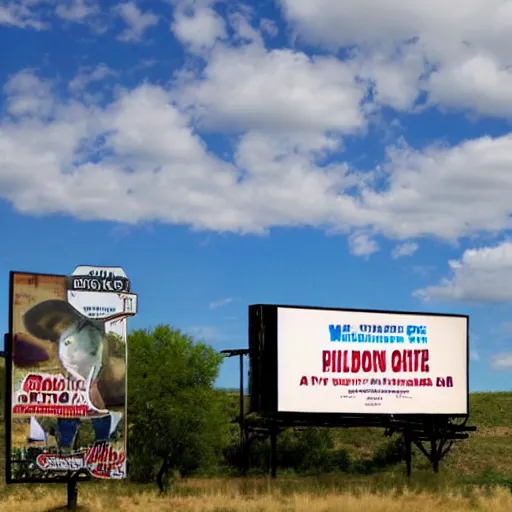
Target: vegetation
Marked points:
177	420
180	427
230	495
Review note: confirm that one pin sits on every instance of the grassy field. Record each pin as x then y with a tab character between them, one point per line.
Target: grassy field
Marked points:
260	495
476	475
489	450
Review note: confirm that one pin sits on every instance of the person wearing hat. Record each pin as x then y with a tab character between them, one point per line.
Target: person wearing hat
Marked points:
81	350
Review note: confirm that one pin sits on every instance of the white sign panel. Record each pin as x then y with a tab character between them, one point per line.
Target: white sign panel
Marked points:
332	361
102	304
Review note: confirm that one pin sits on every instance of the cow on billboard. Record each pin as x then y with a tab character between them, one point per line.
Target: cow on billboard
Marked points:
68	358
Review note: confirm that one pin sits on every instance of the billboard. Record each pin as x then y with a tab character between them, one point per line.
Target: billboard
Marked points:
322	361
66	364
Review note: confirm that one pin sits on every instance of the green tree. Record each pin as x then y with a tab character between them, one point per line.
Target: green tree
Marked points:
177	421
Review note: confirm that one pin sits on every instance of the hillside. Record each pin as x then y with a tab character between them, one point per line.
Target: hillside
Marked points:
489	450
485	455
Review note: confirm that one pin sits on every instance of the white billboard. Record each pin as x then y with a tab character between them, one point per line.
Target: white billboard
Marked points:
332	361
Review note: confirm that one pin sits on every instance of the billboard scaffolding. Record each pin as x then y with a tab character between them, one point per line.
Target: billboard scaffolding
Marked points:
66	375
402	371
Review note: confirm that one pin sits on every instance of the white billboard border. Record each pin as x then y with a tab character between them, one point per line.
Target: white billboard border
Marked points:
271	337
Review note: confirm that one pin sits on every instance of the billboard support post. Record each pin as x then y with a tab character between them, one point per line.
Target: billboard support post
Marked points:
242	411
244	462
408	451
72	491
273	448
434	453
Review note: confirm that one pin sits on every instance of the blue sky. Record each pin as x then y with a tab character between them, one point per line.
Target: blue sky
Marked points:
320	153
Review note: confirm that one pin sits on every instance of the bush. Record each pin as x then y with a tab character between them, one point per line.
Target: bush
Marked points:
306	451
177	420
391	453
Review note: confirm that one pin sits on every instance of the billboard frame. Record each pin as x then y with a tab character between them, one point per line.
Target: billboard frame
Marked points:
71	478
263	352
438	431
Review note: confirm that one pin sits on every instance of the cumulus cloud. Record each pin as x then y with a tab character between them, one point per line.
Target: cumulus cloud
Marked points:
137	22
446	192
77	10
139	151
250	88
362	245
21	14
90	75
142	150
457	55
207	333
41	14
287	114
215	304
27	95
405	249
502	361
481	275
198	30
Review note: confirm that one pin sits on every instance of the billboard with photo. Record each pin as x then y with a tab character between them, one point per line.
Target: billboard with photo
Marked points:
66	364
310	360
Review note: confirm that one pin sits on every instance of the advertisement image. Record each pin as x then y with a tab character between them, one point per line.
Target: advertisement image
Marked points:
67	366
359	362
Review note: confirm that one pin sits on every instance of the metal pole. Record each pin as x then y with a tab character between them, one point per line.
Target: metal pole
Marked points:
72	487
273	449
242	411
408	452
244	462
243	443
434	454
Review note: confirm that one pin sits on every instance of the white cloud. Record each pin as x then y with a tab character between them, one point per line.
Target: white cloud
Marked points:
394	78
151	161
37	14
460	54
250	88
148	156
444	192
459	57
289	113
21	15
198	30
362	245
269	27
206	333
423	271
27	95
87	76
475	78
481	275
502	361
138	22
77	10
219	303
372	22
405	249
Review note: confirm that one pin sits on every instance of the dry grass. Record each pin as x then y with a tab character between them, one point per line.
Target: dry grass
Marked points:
259	495
490	448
